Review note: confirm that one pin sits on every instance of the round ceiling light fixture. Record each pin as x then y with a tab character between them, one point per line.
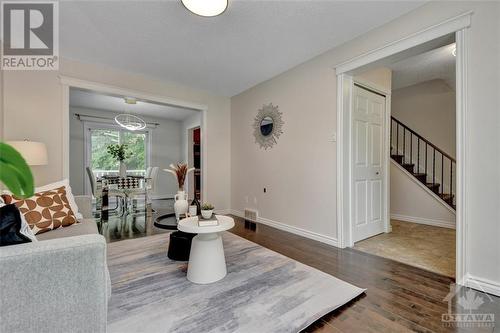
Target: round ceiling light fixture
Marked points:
130	122
206	8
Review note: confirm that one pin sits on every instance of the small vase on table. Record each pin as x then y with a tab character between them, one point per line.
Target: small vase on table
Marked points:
181	204
123	170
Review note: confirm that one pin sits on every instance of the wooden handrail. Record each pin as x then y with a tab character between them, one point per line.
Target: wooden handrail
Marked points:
423	139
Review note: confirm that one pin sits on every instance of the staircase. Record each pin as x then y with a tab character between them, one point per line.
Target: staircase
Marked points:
427	163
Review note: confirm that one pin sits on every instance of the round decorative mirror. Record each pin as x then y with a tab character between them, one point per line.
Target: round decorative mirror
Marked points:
266	126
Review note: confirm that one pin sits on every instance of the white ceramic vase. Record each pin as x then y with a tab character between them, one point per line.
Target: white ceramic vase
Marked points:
123	170
181	204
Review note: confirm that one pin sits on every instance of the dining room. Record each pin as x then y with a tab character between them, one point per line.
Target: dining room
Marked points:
119	147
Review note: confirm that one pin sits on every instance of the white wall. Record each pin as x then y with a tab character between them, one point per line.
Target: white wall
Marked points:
165	149
428	108
411	202
300	170
33	109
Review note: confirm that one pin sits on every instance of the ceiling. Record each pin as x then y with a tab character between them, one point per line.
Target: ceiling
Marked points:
251	42
435	64
93	100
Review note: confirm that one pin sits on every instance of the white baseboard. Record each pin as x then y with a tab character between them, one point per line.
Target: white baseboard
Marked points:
421	220
488	286
294	230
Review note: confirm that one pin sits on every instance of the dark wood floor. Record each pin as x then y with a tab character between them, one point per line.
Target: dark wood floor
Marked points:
399	297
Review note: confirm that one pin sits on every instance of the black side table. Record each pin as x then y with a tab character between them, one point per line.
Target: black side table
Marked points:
179	246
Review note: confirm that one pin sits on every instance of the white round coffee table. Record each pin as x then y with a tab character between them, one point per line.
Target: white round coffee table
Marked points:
207	262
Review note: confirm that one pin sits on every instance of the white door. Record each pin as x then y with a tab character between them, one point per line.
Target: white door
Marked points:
368	163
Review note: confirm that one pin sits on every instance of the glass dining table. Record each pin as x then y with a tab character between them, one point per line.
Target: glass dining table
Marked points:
125	187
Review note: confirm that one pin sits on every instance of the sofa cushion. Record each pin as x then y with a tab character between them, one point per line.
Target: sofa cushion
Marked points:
85	227
45	210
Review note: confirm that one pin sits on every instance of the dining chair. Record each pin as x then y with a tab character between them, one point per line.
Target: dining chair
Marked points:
149	187
119	195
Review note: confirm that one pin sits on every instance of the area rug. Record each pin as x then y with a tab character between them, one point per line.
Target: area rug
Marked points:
263	291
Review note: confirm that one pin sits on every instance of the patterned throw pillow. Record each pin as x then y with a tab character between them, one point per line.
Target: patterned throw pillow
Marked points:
46	210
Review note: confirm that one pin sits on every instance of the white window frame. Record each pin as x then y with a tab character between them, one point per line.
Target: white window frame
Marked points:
92	125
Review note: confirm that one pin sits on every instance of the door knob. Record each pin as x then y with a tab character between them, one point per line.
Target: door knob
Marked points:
377	173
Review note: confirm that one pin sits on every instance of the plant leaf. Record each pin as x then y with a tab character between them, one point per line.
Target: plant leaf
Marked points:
15	173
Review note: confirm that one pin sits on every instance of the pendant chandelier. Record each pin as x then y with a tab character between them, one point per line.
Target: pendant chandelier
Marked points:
129	121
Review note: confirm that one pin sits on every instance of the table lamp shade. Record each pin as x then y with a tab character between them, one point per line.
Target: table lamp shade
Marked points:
35	153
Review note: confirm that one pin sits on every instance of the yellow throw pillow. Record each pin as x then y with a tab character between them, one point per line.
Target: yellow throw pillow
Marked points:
45	211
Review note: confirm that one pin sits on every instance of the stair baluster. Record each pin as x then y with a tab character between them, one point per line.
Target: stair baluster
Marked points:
441	189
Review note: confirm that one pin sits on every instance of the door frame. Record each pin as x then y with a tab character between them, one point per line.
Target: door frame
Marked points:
459	26
68	82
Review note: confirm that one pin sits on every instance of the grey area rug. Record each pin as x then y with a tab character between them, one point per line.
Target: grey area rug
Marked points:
263	292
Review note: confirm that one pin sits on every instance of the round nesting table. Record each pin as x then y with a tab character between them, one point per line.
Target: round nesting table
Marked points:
207	263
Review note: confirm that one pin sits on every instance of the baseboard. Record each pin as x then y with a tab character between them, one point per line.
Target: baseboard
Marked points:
294	230
160	197
421	220
488	286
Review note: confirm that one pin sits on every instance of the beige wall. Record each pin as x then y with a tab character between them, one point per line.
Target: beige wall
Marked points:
380	78
300	170
411	202
33	109
429	109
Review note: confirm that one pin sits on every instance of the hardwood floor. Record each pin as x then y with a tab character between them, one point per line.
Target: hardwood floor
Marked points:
399	297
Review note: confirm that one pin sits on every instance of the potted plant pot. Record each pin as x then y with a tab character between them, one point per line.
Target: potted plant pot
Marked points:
206	214
207	210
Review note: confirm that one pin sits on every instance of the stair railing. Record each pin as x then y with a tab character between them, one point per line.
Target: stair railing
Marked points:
415	148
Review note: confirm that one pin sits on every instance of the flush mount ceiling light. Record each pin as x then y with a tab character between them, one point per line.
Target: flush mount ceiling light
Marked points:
130	100
129	121
206	8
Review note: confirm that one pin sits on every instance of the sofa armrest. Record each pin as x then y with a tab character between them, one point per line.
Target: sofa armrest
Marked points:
57	285
84	203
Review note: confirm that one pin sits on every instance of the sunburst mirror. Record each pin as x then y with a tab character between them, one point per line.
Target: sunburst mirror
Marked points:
267	126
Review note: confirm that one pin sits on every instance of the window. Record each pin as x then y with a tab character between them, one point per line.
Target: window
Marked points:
100	136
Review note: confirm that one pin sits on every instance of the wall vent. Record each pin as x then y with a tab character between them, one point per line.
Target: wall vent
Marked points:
251	215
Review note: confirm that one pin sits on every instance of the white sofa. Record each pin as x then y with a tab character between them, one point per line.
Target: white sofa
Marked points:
58	284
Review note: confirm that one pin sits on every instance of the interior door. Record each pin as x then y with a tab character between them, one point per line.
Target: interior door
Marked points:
368	162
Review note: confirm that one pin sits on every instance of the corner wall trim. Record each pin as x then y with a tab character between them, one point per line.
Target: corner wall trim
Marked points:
294	230
451	25
488	286
421	220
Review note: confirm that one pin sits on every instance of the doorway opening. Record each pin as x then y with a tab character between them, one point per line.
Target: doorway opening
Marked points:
133	202
452	193
422	169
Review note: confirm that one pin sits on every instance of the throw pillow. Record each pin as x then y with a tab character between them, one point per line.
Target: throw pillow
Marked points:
69	194
45	211
10	226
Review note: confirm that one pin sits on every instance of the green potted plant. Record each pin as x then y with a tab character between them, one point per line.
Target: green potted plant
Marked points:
120	153
15	172
207	209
